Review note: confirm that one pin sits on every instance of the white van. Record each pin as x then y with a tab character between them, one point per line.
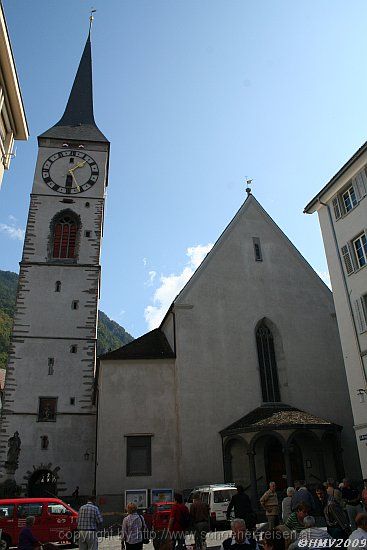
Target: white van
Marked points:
218	497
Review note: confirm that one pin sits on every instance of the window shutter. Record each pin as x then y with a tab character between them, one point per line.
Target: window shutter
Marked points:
360	315
336	206
347	259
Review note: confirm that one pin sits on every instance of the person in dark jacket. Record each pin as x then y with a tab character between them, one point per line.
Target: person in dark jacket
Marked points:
242	507
302	494
26	539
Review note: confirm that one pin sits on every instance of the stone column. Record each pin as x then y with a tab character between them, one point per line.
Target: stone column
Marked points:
288	467
254	495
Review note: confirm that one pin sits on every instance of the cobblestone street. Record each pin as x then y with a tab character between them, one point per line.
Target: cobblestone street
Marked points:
214	541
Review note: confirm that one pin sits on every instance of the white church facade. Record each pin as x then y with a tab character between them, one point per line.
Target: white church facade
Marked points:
243	381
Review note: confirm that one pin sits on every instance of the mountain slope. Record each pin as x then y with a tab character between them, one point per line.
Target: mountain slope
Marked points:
110	334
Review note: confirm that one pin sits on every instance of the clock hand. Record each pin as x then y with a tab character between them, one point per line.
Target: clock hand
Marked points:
80	165
76	183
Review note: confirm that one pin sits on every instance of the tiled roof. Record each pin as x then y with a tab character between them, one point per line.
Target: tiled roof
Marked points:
153	345
275	416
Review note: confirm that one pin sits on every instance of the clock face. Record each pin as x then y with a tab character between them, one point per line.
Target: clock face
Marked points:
70	172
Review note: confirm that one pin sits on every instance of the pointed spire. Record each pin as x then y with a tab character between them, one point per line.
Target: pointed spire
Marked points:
77	122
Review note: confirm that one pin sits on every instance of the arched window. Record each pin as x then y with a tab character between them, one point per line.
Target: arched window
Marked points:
58	286
267	364
65	230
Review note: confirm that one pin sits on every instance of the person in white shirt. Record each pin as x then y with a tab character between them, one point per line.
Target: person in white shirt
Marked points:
360	534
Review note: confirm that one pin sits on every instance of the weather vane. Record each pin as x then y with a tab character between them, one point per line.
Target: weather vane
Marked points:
91	18
248	188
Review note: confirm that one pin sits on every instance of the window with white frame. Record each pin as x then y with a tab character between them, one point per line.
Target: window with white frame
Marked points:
360	249
353	192
349	199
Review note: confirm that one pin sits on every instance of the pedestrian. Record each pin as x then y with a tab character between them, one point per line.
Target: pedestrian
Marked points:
302	494
89	522
179	521
273	540
331	491
133	528
364	494
336	519
295	520
320	501
352	501
241	504
240	539
286	504
27	541
199	514
311	533
360	533
269	501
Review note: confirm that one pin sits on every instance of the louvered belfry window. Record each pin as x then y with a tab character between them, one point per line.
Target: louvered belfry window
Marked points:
64	238
268	365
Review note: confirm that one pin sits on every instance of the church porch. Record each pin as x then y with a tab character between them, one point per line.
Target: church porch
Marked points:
276	442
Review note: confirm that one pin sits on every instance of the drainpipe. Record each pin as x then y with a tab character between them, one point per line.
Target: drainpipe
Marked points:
345	284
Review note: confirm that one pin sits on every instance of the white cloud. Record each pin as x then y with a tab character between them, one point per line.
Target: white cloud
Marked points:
152	275
12	231
172	284
324	275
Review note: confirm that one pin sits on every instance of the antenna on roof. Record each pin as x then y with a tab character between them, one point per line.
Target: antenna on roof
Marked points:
248	188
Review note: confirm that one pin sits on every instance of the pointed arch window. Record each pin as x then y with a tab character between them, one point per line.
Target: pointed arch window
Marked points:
267	363
65	232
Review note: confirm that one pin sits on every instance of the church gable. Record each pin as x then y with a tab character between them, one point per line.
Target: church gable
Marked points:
252	251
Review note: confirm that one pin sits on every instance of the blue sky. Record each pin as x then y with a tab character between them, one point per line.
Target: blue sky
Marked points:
194	96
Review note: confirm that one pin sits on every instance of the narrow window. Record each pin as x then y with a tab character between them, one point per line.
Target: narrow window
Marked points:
72	400
75	304
88	234
360	248
44	442
138	461
58	286
349	199
87	205
73	348
267	363
257	249
47	409
64	237
51	363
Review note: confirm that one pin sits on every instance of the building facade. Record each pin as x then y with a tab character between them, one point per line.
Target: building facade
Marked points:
48	416
13	123
242	381
342	209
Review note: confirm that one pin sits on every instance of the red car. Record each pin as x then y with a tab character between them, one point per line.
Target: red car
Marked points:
55	521
157	519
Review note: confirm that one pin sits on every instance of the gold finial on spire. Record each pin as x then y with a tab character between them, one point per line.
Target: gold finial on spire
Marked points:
91	18
248	188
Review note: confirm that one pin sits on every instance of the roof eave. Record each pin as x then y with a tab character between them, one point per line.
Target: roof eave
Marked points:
309	208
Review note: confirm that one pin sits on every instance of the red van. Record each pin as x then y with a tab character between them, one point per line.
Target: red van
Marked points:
55	521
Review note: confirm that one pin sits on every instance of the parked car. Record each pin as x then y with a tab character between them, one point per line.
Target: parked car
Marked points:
55	521
217	497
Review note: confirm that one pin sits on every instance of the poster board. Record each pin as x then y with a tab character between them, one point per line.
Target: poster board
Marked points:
161	495
137	496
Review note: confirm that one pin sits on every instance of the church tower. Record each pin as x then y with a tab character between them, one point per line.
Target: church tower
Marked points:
50	376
